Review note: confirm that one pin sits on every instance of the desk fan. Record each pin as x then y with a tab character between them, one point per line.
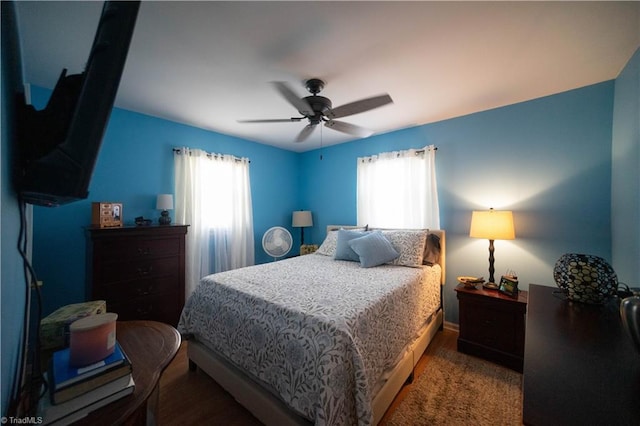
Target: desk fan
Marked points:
277	242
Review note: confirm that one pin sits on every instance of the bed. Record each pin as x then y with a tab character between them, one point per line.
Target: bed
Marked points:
317	339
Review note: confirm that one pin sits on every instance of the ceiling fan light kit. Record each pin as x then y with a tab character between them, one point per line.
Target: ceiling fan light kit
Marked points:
318	109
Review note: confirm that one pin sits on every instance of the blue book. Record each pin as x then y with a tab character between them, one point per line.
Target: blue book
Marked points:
64	375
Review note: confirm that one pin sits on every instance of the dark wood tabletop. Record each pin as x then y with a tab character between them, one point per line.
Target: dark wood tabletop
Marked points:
580	367
151	346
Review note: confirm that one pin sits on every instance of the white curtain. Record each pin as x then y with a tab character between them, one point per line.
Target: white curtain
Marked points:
213	196
398	189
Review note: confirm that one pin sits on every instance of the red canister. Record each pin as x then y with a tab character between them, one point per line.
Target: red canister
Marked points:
92	339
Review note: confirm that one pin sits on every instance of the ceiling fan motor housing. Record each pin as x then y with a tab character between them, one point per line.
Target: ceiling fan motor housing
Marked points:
320	105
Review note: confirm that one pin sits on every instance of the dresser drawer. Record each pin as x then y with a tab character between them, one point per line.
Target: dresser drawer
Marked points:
163	307
126	290
490	327
133	248
136	270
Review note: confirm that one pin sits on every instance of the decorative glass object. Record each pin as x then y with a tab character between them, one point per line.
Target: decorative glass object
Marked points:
585	278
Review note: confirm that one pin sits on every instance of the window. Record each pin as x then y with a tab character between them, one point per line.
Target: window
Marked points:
213	196
398	190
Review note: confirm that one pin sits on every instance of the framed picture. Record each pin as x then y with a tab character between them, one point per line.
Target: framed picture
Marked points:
509	286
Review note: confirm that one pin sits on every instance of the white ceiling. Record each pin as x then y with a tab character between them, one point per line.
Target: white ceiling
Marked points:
209	64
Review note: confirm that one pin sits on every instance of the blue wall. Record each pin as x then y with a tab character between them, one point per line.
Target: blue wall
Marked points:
625	185
548	160
135	164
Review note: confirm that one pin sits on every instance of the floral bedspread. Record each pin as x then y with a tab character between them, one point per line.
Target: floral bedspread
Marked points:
319	332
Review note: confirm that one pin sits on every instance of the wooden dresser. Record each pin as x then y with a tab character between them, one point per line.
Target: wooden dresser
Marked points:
138	270
580	365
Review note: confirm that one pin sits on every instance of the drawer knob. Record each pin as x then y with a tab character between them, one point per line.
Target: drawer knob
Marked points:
144	291
145	271
144	312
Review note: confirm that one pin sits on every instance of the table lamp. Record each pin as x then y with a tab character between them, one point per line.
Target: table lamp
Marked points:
492	225
164	203
302	219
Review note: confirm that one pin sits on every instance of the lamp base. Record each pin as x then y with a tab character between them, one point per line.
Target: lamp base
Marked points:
164	219
490	286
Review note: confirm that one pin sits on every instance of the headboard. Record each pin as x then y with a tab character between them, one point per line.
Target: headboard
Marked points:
438	232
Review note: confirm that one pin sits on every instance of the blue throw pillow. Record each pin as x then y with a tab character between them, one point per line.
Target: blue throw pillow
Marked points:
373	249
343	251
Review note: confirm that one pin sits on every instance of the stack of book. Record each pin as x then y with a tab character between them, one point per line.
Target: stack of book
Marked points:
75	392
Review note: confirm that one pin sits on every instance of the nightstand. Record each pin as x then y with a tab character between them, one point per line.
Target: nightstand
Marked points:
492	325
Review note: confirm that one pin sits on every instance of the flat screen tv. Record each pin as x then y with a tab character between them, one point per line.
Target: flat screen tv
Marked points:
58	145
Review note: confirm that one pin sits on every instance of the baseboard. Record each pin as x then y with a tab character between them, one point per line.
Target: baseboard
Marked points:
452	326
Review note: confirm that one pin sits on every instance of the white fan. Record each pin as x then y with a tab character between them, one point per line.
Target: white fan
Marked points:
277	242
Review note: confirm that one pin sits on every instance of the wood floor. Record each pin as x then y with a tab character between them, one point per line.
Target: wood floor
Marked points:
189	398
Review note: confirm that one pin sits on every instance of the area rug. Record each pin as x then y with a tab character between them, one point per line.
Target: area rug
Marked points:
458	389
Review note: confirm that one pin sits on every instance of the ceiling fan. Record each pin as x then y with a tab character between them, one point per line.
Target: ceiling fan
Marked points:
318	109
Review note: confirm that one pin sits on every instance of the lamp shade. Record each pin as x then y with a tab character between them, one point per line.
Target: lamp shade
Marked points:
164	202
301	219
492	225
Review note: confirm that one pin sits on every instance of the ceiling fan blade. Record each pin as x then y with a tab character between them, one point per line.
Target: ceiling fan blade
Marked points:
273	120
300	104
305	132
359	106
351	129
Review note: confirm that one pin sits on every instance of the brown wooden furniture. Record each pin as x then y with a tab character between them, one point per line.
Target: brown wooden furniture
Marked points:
580	367
151	346
492	325
138	270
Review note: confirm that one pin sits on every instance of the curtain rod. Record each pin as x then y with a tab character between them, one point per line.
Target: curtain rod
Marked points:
420	151
211	155
416	152
179	151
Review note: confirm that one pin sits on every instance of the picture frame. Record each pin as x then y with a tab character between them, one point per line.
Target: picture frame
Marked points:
509	286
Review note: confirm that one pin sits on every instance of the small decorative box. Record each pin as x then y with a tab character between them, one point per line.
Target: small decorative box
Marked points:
54	329
308	249
106	215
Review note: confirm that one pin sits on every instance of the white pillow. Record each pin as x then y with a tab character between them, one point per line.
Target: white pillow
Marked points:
410	245
328	246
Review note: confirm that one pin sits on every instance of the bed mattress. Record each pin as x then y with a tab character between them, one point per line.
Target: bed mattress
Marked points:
319	333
